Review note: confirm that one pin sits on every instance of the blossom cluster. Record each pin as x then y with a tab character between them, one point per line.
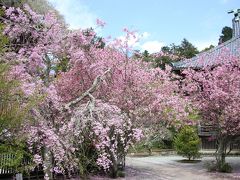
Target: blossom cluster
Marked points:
214	91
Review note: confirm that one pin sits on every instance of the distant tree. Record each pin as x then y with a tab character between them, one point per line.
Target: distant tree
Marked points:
168	54
227	33
9	3
174	48
187	49
162	61
145	53
166	49
146	56
187	143
137	54
208	48
184	50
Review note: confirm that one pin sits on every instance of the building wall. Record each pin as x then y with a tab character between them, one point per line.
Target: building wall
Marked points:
206	143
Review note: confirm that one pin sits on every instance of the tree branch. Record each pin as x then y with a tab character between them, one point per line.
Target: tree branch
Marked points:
94	86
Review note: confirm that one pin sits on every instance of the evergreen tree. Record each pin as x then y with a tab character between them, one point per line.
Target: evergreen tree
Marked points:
227	33
187	49
187	143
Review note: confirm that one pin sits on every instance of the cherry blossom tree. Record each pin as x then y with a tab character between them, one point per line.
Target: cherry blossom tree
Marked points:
215	92
39	43
147	96
132	85
88	92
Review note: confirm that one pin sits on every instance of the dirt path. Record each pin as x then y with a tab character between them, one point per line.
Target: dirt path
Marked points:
169	168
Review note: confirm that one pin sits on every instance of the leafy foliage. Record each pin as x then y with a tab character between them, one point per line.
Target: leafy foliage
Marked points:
227	34
187	143
214	166
16	156
186	49
227	168
12	113
169	54
163	61
207	48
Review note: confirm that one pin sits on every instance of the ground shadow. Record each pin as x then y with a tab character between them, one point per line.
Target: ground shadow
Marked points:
188	161
140	155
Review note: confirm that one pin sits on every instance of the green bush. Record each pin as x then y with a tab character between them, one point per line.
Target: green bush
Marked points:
13	155
213	167
227	168
14	106
121	174
14	113
187	143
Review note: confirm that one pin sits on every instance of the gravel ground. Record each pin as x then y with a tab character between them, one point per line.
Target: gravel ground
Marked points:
169	168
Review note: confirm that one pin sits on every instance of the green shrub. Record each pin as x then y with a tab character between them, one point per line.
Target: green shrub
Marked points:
121	174
14	113
211	166
13	156
227	168
14	106
187	143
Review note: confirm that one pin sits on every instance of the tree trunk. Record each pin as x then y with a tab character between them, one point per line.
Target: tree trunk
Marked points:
221	153
47	164
114	168
149	151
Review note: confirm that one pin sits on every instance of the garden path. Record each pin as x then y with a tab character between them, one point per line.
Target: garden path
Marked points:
170	168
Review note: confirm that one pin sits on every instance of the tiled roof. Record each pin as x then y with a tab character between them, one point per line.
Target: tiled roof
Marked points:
211	57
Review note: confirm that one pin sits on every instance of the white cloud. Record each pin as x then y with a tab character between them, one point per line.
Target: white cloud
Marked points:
76	14
145	35
152	46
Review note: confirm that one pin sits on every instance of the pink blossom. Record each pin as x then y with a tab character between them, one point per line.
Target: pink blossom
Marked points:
100	23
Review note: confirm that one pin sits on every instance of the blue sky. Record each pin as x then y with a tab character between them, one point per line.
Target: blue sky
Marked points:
158	22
